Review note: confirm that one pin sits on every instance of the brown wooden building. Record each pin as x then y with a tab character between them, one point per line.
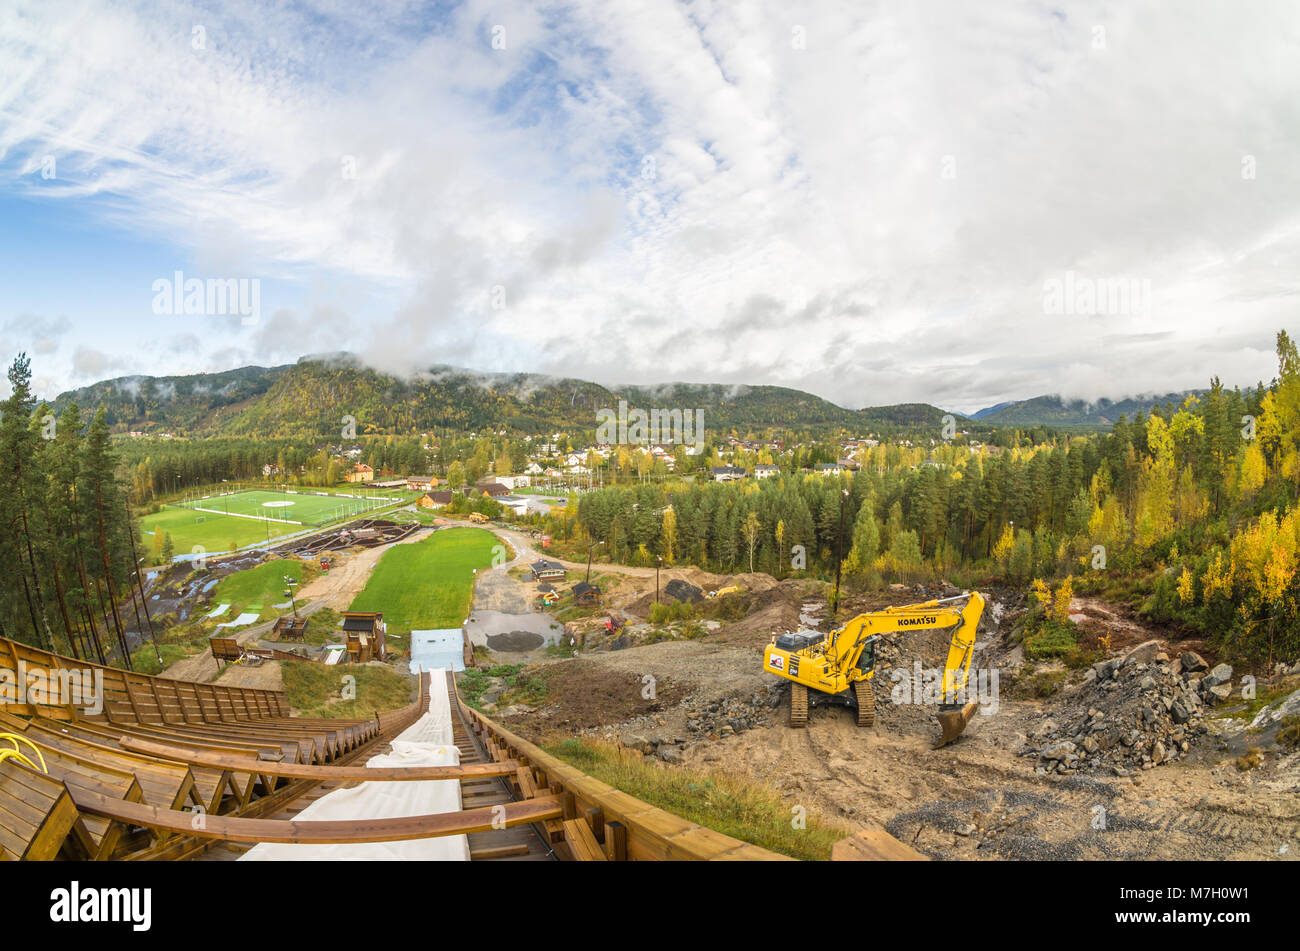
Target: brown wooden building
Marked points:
365	633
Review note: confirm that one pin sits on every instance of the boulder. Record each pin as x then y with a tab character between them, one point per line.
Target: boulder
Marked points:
1192	662
1144	653
1218	693
1221	674
1059	751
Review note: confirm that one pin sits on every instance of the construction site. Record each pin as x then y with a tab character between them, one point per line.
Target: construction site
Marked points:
911	728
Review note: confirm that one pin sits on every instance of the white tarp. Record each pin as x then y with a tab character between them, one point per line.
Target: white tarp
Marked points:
431	649
241	620
221	609
427	742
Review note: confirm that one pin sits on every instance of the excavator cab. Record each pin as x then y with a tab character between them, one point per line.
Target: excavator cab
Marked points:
867	662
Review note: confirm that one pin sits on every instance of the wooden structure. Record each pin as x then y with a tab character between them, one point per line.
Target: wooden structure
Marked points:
586	595
365	634
172	769
225	649
290	628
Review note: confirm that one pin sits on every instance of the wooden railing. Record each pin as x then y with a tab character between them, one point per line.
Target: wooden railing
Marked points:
33	676
599	821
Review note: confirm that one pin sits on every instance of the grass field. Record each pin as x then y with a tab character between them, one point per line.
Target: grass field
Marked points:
226	522
428	584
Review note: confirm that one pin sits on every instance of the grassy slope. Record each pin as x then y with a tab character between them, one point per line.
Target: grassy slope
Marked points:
315	690
732	805
256	588
428	584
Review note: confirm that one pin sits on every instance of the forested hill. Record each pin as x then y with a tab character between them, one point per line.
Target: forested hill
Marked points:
173	403
311	398
1075	414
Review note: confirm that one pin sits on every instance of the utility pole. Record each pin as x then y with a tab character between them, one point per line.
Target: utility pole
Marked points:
659	564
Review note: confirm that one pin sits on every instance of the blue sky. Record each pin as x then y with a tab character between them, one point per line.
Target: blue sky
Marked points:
865	200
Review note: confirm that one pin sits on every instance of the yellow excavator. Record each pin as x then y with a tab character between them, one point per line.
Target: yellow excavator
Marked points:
841	664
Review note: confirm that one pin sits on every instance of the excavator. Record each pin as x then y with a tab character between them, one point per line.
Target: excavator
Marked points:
841	664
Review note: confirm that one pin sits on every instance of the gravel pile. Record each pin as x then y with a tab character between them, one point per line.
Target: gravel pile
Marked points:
1132	713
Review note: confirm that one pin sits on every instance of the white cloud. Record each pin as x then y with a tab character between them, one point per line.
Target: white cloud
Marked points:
676	192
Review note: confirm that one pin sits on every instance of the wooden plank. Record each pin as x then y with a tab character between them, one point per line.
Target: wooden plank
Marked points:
582	844
301	771
874	845
299	832
500	852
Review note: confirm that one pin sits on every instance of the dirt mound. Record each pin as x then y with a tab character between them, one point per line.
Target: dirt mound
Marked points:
636	594
581	694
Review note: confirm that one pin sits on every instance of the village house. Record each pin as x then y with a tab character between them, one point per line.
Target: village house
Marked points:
421	483
434	500
360	473
726	473
765	472
586	595
544	570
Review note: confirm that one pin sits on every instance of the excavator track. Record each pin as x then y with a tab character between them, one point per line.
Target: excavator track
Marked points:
798	705
866	703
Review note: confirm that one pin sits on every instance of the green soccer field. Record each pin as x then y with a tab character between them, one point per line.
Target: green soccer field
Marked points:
305	507
221	523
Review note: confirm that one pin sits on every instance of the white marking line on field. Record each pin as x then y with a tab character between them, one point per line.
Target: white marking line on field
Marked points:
256	518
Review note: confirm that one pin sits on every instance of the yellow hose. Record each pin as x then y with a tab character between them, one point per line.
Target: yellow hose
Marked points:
16	752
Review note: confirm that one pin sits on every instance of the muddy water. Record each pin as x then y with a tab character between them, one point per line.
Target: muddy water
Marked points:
513	633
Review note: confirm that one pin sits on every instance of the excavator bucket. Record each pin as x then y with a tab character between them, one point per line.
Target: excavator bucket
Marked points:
953	721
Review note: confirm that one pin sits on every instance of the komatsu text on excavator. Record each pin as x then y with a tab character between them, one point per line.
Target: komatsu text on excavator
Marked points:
842	663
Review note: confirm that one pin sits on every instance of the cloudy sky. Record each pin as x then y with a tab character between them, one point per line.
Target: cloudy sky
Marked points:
958	203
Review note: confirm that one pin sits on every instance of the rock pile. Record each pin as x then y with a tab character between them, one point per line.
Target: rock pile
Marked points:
1142	710
706	719
729	715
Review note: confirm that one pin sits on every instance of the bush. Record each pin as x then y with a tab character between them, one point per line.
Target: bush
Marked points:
666	613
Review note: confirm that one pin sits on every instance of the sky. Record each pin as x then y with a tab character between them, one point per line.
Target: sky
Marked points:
878	202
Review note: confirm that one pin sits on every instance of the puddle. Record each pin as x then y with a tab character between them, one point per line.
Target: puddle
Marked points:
513	632
515	641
